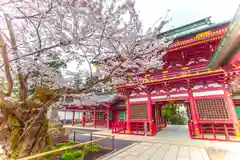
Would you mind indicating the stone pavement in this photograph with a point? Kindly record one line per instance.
(158, 151)
(173, 134)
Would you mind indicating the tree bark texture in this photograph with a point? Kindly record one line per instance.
(25, 135)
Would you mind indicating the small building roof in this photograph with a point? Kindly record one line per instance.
(119, 104)
(99, 99)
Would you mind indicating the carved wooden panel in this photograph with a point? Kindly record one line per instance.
(212, 109)
(138, 111)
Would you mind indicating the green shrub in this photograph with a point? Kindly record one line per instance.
(72, 154)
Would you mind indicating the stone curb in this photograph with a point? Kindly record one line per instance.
(114, 153)
(183, 143)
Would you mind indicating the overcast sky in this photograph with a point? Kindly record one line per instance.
(185, 11)
(181, 12)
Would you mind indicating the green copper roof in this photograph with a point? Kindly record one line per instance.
(221, 45)
(186, 29)
(234, 25)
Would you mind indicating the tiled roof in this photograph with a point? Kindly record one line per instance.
(119, 104)
(99, 99)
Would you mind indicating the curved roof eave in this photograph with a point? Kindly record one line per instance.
(229, 45)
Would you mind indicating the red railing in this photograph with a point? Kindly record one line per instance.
(100, 122)
(136, 128)
(213, 132)
(119, 127)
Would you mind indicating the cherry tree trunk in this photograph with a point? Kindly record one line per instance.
(25, 136)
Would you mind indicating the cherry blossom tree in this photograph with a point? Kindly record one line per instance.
(39, 37)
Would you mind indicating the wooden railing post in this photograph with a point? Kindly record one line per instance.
(90, 136)
(113, 143)
(74, 136)
(83, 153)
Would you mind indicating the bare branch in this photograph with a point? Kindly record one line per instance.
(9, 2)
(36, 15)
(21, 79)
(89, 63)
(40, 51)
(35, 27)
(6, 67)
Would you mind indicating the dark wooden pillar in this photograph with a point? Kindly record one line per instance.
(94, 118)
(73, 117)
(157, 116)
(108, 117)
(161, 117)
(65, 114)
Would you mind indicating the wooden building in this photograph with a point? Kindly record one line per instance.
(196, 74)
(199, 69)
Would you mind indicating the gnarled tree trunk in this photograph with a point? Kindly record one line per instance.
(25, 125)
(25, 134)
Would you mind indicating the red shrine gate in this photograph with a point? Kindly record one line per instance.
(186, 79)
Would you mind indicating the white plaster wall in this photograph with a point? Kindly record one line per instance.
(208, 93)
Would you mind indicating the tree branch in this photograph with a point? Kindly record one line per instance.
(46, 48)
(6, 67)
(89, 63)
(35, 15)
(23, 84)
(39, 51)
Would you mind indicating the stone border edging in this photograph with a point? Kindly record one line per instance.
(114, 153)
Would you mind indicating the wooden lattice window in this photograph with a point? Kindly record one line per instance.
(138, 111)
(212, 109)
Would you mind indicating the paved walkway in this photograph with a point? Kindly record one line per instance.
(173, 134)
(158, 151)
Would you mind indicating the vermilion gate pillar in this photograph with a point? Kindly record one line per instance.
(232, 111)
(128, 114)
(150, 111)
(193, 112)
